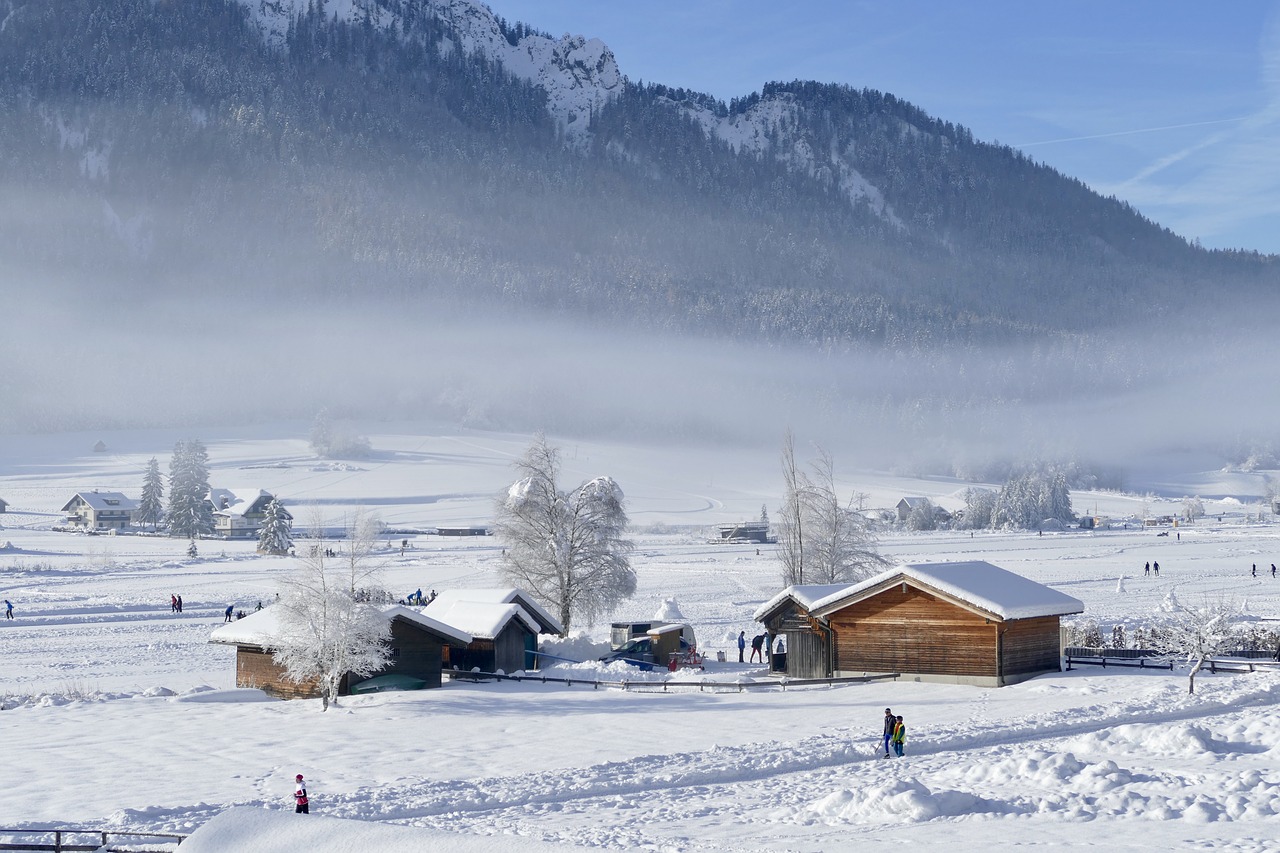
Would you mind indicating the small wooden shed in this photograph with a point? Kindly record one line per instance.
(417, 646)
(967, 623)
(504, 623)
(807, 639)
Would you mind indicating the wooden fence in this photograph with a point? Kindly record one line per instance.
(109, 841)
(702, 685)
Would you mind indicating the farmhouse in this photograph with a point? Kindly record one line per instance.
(239, 513)
(968, 623)
(417, 651)
(100, 510)
(4, 506)
(807, 641)
(906, 505)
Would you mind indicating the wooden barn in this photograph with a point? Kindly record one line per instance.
(417, 645)
(967, 623)
(504, 625)
(806, 639)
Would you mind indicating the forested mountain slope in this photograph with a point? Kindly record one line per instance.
(388, 149)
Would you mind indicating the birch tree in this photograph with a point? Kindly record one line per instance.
(330, 621)
(567, 548)
(821, 539)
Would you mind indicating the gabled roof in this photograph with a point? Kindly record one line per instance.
(262, 629)
(547, 624)
(484, 620)
(103, 501)
(239, 500)
(977, 585)
(803, 595)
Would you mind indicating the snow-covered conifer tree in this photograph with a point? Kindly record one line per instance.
(151, 507)
(190, 515)
(566, 548)
(276, 534)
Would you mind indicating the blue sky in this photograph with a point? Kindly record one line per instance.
(1171, 105)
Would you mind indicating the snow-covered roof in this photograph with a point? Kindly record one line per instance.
(484, 620)
(805, 595)
(104, 501)
(977, 584)
(239, 500)
(263, 627)
(547, 624)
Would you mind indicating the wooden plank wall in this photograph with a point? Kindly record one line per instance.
(257, 668)
(912, 631)
(1031, 645)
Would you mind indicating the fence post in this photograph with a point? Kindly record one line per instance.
(57, 840)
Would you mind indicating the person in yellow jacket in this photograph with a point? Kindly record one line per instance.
(899, 736)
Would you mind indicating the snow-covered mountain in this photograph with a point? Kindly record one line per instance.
(579, 75)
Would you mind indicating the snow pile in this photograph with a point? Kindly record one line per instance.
(900, 801)
(577, 646)
(669, 611)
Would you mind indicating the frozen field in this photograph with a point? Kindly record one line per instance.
(119, 713)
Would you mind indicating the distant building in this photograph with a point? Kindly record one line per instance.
(745, 531)
(239, 513)
(473, 530)
(100, 510)
(906, 505)
(4, 507)
(100, 447)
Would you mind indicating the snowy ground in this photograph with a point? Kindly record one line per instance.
(120, 714)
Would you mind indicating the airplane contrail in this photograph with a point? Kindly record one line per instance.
(1130, 132)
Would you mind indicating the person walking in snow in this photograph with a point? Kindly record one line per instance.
(231, 608)
(1273, 570)
(1155, 567)
(899, 736)
(179, 604)
(890, 722)
(1254, 572)
(8, 609)
(1146, 570)
(757, 648)
(173, 604)
(301, 804)
(742, 645)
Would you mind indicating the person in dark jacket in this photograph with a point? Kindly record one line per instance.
(742, 645)
(889, 722)
(757, 648)
(301, 804)
(231, 608)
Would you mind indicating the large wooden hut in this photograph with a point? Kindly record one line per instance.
(969, 623)
(807, 641)
(417, 651)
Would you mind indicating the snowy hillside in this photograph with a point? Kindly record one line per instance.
(103, 681)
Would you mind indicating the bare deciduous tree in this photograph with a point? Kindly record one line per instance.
(1198, 633)
(821, 539)
(566, 547)
(330, 623)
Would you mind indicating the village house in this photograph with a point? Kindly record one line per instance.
(97, 510)
(504, 624)
(417, 651)
(239, 513)
(4, 506)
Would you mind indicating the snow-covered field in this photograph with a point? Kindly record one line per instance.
(118, 713)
